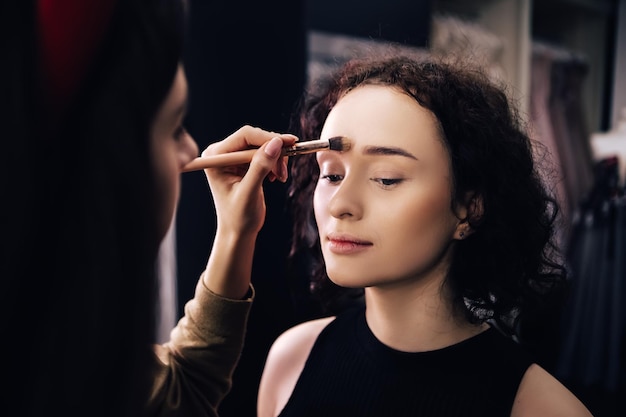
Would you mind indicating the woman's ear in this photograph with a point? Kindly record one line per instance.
(470, 212)
(463, 230)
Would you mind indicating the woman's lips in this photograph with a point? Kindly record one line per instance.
(345, 245)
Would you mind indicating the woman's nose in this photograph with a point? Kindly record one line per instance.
(346, 201)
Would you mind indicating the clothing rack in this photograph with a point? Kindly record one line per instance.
(593, 331)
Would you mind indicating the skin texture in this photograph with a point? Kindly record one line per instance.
(384, 213)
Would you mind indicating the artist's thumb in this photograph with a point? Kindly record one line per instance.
(264, 160)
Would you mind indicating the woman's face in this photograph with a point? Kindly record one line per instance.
(383, 208)
(172, 148)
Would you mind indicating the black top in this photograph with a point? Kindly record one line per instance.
(350, 373)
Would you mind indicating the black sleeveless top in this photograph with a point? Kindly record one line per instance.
(350, 373)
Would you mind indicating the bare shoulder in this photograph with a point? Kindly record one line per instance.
(541, 394)
(284, 364)
(299, 337)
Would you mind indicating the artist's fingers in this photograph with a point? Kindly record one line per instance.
(246, 137)
(265, 161)
(280, 171)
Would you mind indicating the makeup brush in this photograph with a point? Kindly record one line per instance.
(337, 143)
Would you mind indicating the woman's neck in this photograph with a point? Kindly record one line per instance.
(419, 318)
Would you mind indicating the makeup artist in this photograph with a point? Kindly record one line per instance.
(94, 100)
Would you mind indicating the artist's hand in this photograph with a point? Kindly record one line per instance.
(237, 190)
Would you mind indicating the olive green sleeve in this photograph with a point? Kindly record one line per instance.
(194, 369)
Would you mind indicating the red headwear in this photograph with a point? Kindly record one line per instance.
(70, 33)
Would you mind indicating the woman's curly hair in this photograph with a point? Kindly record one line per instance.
(511, 262)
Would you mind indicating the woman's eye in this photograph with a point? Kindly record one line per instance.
(332, 177)
(179, 133)
(387, 182)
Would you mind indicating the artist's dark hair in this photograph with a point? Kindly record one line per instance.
(81, 230)
(511, 262)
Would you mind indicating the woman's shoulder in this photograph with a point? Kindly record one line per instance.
(541, 394)
(284, 363)
(295, 343)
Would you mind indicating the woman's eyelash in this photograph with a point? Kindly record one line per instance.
(383, 182)
(387, 182)
(179, 132)
(332, 177)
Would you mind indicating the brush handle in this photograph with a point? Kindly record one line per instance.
(222, 160)
(244, 157)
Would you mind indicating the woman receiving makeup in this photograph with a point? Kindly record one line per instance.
(438, 218)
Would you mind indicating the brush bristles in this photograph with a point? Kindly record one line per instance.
(339, 143)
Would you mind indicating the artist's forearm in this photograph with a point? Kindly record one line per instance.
(194, 369)
(230, 264)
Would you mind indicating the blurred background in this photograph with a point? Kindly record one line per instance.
(565, 60)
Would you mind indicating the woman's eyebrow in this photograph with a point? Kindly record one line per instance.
(387, 150)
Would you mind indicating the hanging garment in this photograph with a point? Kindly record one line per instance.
(543, 132)
(592, 345)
